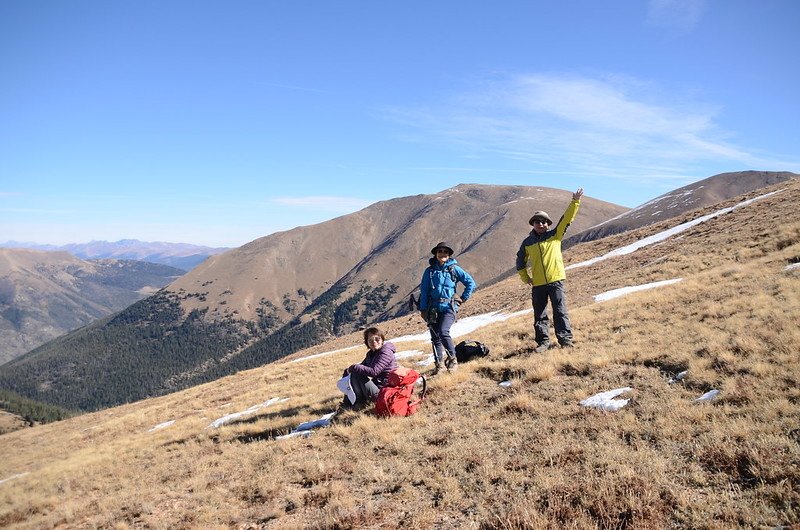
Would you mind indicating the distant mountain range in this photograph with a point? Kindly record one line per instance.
(46, 294)
(289, 290)
(179, 255)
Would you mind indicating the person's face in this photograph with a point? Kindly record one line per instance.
(540, 226)
(442, 255)
(374, 342)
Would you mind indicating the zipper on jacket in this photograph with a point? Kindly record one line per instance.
(541, 258)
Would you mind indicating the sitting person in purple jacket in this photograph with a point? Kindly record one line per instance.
(369, 376)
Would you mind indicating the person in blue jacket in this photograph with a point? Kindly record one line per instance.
(439, 303)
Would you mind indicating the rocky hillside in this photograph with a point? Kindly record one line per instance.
(46, 294)
(375, 254)
(696, 195)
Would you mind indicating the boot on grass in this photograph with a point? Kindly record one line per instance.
(437, 368)
(451, 363)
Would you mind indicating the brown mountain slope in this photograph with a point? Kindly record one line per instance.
(387, 243)
(46, 294)
(706, 192)
(478, 455)
(231, 312)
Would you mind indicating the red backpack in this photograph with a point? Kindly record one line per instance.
(397, 397)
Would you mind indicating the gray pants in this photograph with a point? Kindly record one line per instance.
(555, 293)
(440, 336)
(366, 391)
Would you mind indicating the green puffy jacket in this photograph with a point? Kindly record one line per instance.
(539, 260)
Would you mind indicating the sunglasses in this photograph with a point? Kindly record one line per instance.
(539, 221)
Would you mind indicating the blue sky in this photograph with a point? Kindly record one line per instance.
(220, 122)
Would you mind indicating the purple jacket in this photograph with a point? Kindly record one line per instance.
(377, 364)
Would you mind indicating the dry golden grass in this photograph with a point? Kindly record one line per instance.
(10, 422)
(478, 455)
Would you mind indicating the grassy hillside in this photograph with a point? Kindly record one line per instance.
(479, 455)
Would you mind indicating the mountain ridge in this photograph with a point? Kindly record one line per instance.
(695, 195)
(44, 294)
(365, 277)
(183, 256)
(283, 292)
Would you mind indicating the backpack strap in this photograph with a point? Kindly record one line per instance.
(414, 403)
(451, 269)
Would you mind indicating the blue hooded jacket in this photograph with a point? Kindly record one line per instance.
(438, 285)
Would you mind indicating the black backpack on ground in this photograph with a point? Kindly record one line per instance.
(470, 349)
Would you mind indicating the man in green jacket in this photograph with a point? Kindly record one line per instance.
(540, 264)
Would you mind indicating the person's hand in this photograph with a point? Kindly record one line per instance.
(458, 300)
(577, 195)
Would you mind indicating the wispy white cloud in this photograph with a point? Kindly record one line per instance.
(324, 202)
(678, 15)
(604, 125)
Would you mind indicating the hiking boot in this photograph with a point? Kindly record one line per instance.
(567, 344)
(436, 369)
(541, 348)
(451, 363)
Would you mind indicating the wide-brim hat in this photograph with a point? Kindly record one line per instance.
(540, 215)
(442, 244)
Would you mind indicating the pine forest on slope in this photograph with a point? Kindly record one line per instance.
(46, 294)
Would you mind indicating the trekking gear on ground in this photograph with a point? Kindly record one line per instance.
(470, 349)
(397, 397)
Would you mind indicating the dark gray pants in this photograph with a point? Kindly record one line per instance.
(440, 336)
(554, 292)
(366, 391)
